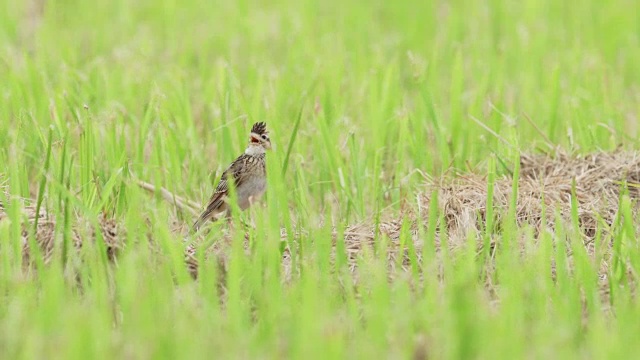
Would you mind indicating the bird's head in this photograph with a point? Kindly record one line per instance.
(259, 138)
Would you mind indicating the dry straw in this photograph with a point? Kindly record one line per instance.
(599, 179)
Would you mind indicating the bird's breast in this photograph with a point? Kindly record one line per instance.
(251, 190)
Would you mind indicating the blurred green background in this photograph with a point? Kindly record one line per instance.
(365, 101)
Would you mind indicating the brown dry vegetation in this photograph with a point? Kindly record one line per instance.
(462, 201)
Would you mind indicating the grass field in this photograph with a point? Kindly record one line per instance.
(369, 104)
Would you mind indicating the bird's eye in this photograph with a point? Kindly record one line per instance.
(264, 137)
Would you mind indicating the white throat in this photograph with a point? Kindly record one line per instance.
(254, 150)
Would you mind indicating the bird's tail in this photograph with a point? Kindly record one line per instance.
(208, 214)
(198, 223)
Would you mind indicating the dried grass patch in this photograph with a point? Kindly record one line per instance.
(48, 235)
(544, 180)
(598, 177)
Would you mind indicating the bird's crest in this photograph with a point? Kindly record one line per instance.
(259, 128)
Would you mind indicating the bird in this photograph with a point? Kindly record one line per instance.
(247, 173)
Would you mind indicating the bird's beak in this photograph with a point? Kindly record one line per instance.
(267, 145)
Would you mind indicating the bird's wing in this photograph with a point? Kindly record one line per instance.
(236, 172)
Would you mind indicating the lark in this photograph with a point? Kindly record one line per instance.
(247, 174)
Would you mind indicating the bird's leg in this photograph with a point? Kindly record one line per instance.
(249, 224)
(229, 219)
(245, 223)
